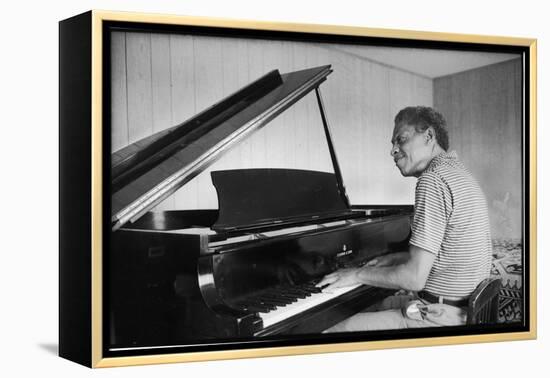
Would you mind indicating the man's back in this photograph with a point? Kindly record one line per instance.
(451, 221)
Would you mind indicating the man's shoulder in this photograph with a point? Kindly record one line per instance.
(445, 163)
(446, 171)
(450, 177)
(430, 178)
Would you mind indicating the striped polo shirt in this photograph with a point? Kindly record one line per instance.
(451, 221)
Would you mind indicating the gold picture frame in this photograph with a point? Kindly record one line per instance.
(84, 183)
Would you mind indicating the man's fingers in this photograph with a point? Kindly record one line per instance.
(328, 289)
(372, 262)
(335, 285)
(327, 280)
(321, 283)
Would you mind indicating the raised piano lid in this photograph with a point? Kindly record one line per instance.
(146, 172)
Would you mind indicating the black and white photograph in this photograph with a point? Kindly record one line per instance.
(299, 189)
(209, 188)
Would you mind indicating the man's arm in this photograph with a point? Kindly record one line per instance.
(431, 214)
(411, 274)
(394, 258)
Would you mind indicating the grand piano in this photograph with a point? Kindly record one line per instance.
(247, 269)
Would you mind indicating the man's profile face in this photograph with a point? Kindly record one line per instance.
(411, 150)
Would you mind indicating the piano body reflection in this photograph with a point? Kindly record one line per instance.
(248, 268)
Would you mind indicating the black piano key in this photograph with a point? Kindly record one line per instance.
(260, 303)
(301, 290)
(321, 288)
(300, 293)
(273, 301)
(252, 308)
(287, 296)
(258, 306)
(276, 298)
(295, 294)
(280, 294)
(311, 288)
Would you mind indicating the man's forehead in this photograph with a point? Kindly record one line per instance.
(402, 128)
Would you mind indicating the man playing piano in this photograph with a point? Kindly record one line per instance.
(449, 250)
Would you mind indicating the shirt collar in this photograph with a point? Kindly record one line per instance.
(443, 158)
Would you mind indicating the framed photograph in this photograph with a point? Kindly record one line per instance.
(235, 189)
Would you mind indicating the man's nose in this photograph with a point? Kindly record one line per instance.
(394, 150)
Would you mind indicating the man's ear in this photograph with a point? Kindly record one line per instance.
(429, 134)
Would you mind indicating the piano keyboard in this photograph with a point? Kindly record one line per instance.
(282, 303)
(286, 312)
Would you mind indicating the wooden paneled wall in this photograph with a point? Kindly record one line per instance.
(160, 80)
(484, 115)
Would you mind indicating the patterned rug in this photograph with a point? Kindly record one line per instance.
(507, 265)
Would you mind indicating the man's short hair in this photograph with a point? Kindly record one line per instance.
(422, 117)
